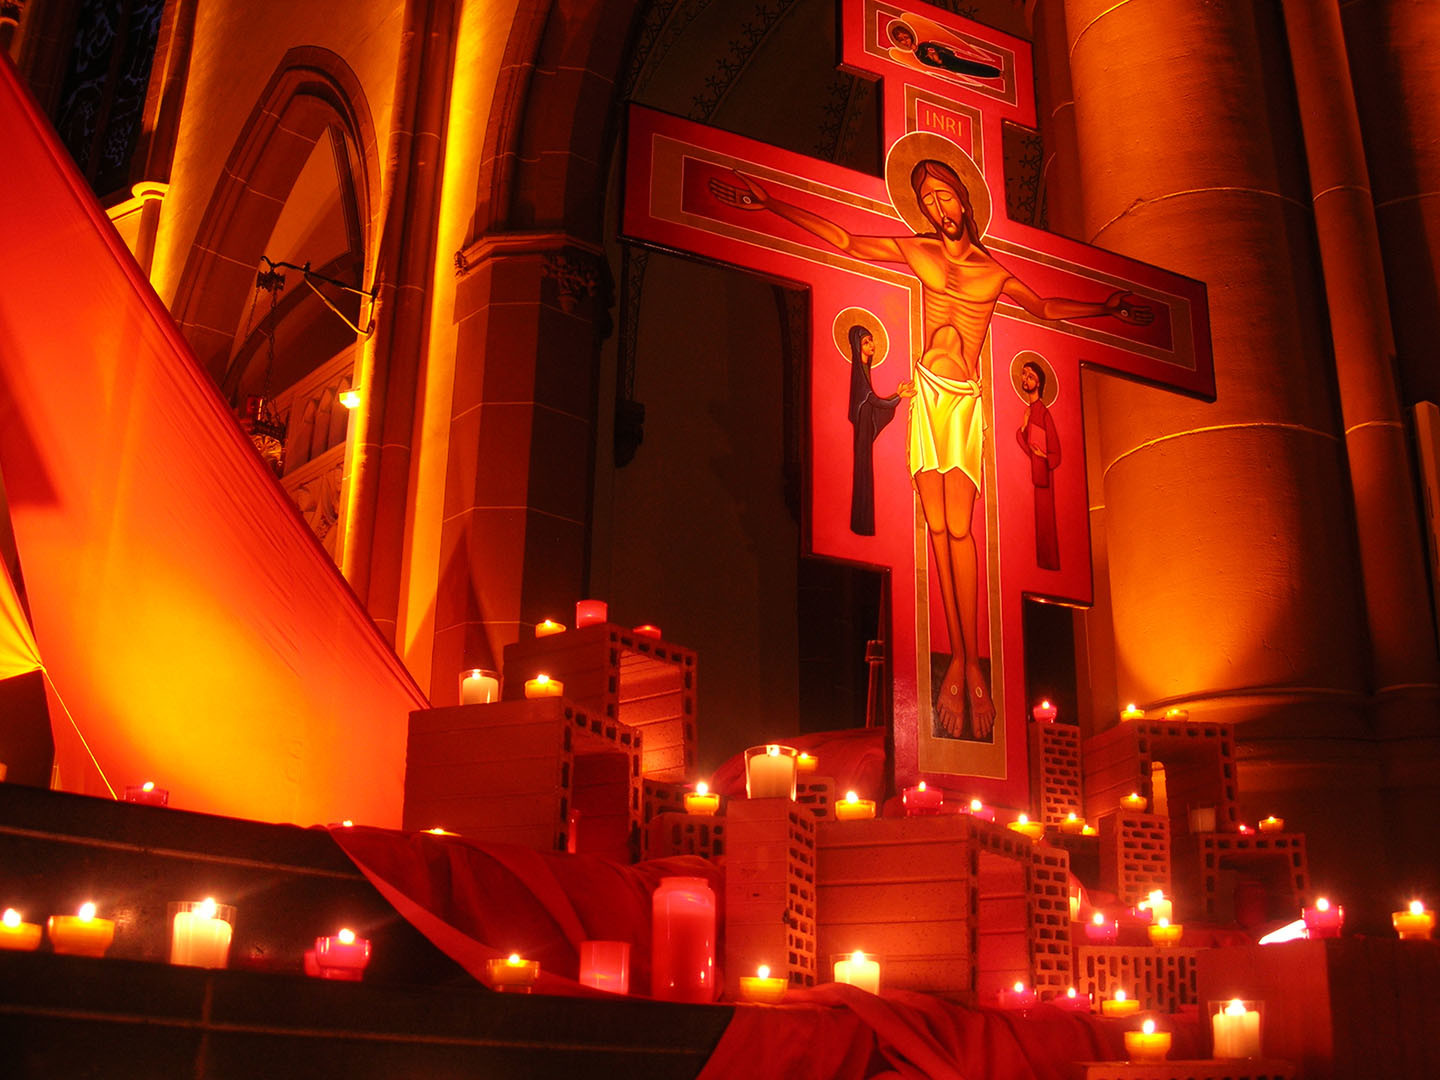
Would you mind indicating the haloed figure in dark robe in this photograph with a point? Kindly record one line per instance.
(1041, 443)
(869, 413)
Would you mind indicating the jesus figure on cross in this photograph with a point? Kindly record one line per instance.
(960, 284)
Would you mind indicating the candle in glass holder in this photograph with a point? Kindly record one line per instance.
(591, 613)
(543, 686)
(1324, 920)
(1161, 910)
(761, 988)
(1018, 996)
(512, 974)
(806, 763)
(980, 810)
(1101, 931)
(1164, 933)
(770, 772)
(647, 630)
(147, 794)
(701, 801)
(1073, 825)
(1025, 827)
(922, 801)
(479, 686)
(1177, 713)
(1415, 923)
(18, 935)
(1235, 1029)
(82, 934)
(854, 808)
(1045, 712)
(546, 627)
(605, 965)
(682, 958)
(200, 932)
(1072, 1001)
(1132, 712)
(1147, 1044)
(342, 956)
(857, 969)
(1134, 801)
(1119, 1005)
(1272, 824)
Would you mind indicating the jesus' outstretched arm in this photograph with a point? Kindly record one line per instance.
(747, 194)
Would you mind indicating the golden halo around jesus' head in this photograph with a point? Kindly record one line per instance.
(1052, 384)
(858, 316)
(907, 152)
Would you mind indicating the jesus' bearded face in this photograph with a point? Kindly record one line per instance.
(941, 204)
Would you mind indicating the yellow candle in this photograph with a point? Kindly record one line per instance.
(1134, 801)
(1147, 1044)
(1131, 712)
(701, 801)
(511, 974)
(548, 627)
(1073, 825)
(543, 686)
(858, 970)
(806, 763)
(17, 935)
(1414, 924)
(854, 808)
(1177, 714)
(1272, 824)
(1165, 933)
(82, 934)
(1120, 1005)
(1025, 827)
(761, 988)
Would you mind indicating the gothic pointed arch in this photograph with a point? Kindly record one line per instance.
(313, 95)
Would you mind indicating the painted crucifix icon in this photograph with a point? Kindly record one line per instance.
(927, 261)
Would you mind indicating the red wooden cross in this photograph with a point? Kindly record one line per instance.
(930, 304)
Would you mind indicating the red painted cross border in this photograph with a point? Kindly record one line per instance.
(929, 304)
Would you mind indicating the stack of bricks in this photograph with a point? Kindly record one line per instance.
(816, 794)
(1199, 761)
(640, 681)
(685, 834)
(770, 892)
(1052, 965)
(1161, 979)
(1134, 854)
(1275, 859)
(512, 772)
(1055, 771)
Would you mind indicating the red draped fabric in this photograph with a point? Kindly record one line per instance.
(191, 624)
(476, 902)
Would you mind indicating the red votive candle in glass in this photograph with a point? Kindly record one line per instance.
(342, 956)
(147, 794)
(1045, 712)
(591, 613)
(647, 630)
(921, 801)
(605, 965)
(682, 960)
(1324, 920)
(1072, 1001)
(1100, 931)
(1018, 996)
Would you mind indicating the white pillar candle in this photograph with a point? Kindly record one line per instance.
(200, 934)
(479, 687)
(1236, 1031)
(858, 970)
(770, 772)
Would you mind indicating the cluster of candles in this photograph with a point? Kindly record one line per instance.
(1134, 712)
(81, 934)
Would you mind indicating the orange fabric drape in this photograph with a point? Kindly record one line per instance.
(195, 630)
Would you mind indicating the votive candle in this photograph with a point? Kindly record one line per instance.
(647, 630)
(702, 801)
(1147, 1044)
(546, 627)
(1272, 824)
(1025, 827)
(1324, 919)
(1164, 933)
(770, 772)
(1132, 712)
(342, 955)
(1235, 1031)
(82, 934)
(147, 794)
(806, 763)
(1072, 1001)
(200, 932)
(605, 965)
(543, 686)
(16, 934)
(922, 801)
(1415, 923)
(1134, 801)
(1018, 996)
(1119, 1005)
(854, 808)
(857, 969)
(1073, 825)
(1161, 910)
(479, 686)
(1045, 712)
(512, 974)
(762, 988)
(1177, 713)
(591, 613)
(1101, 931)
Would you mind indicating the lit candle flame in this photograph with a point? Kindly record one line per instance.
(763, 971)
(1019, 987)
(1156, 896)
(1322, 904)
(346, 936)
(348, 823)
(1045, 704)
(1072, 816)
(11, 918)
(851, 797)
(1235, 1008)
(1070, 993)
(1023, 820)
(148, 785)
(513, 960)
(857, 957)
(772, 750)
(548, 624)
(1148, 1027)
(806, 757)
(87, 912)
(921, 786)
(1098, 919)
(1119, 995)
(207, 909)
(1164, 923)
(702, 788)
(1417, 908)
(543, 680)
(976, 805)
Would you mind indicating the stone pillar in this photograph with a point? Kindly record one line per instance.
(530, 308)
(1232, 556)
